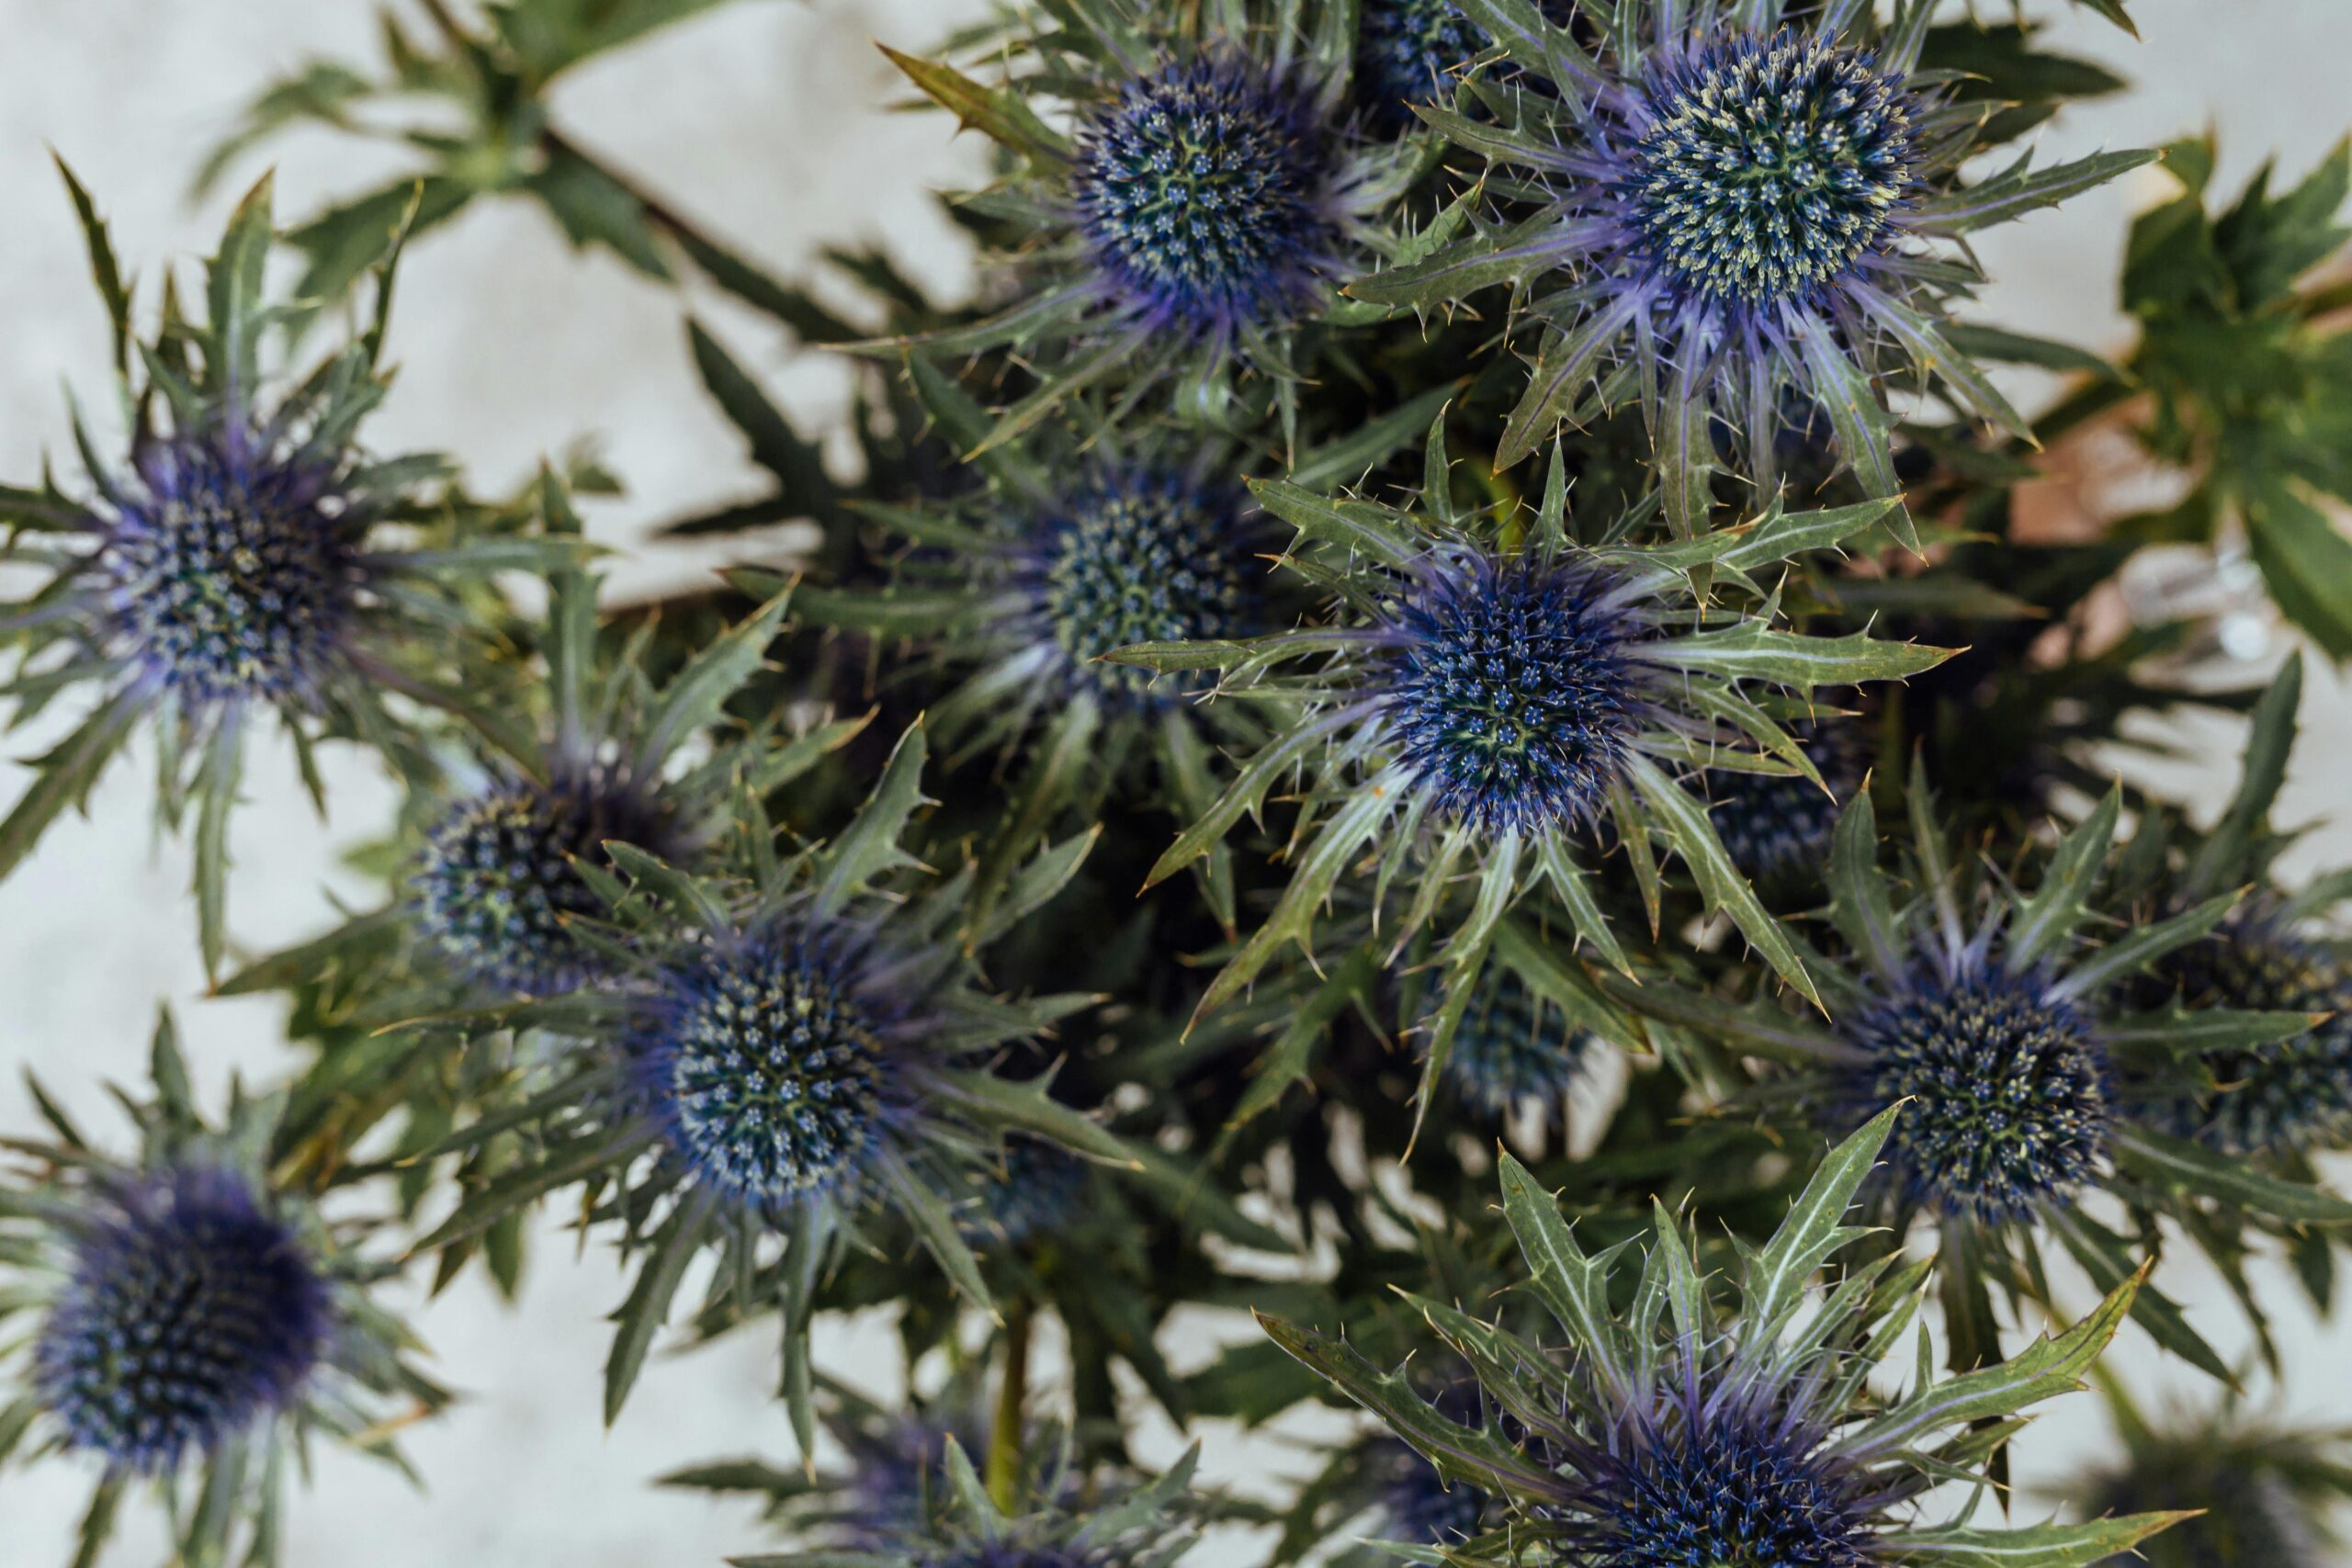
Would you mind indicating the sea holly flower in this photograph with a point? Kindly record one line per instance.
(1714, 1426)
(2275, 970)
(2263, 1491)
(233, 568)
(1413, 51)
(1714, 211)
(2005, 1023)
(1019, 589)
(780, 1047)
(1515, 1052)
(1778, 829)
(1197, 215)
(1031, 1513)
(1473, 708)
(192, 1326)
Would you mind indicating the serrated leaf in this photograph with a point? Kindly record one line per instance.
(1575, 1287)
(2177, 1162)
(869, 846)
(997, 114)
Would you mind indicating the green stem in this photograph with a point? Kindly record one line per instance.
(1004, 1466)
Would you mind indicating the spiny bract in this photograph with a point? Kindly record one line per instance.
(1512, 1050)
(2270, 1099)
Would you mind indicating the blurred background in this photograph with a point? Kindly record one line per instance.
(770, 122)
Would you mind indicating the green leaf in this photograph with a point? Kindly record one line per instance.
(2037, 1546)
(1720, 881)
(797, 464)
(2177, 1162)
(1856, 416)
(2107, 1258)
(1289, 1058)
(2187, 1032)
(2223, 854)
(1752, 650)
(933, 1222)
(65, 776)
(869, 846)
(593, 207)
(2046, 921)
(1773, 1285)
(233, 293)
(1366, 447)
(2049, 1366)
(998, 114)
(1573, 1286)
(343, 242)
(1460, 1453)
(2305, 560)
(640, 1316)
(2015, 191)
(697, 694)
(2143, 945)
(216, 797)
(1028, 1107)
(103, 267)
(1356, 525)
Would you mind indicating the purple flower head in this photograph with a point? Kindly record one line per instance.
(1510, 690)
(191, 1314)
(1202, 195)
(229, 571)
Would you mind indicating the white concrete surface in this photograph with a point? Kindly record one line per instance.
(763, 121)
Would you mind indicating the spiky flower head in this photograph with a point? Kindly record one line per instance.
(780, 1048)
(231, 569)
(2277, 1097)
(197, 1319)
(1737, 210)
(192, 1313)
(2006, 1077)
(1046, 1525)
(2000, 1013)
(1469, 698)
(1514, 1051)
(1720, 1432)
(500, 880)
(1056, 561)
(1201, 209)
(1138, 553)
(1202, 193)
(1777, 828)
(2263, 1489)
(1037, 1190)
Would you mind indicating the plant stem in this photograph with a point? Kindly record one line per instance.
(1003, 1468)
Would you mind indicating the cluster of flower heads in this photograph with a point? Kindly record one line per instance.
(1695, 1432)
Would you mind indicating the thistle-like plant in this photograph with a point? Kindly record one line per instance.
(780, 1044)
(1012, 595)
(1704, 1430)
(1481, 696)
(1197, 215)
(2282, 1087)
(1030, 1517)
(1725, 209)
(2005, 1024)
(198, 1324)
(234, 567)
(2263, 1489)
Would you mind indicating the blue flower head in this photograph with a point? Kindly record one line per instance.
(1750, 217)
(1201, 190)
(2291, 1095)
(1139, 553)
(499, 878)
(191, 1314)
(1512, 1051)
(1199, 212)
(1485, 700)
(1511, 689)
(769, 1057)
(1706, 1426)
(1039, 1190)
(1776, 827)
(2006, 1081)
(194, 1328)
